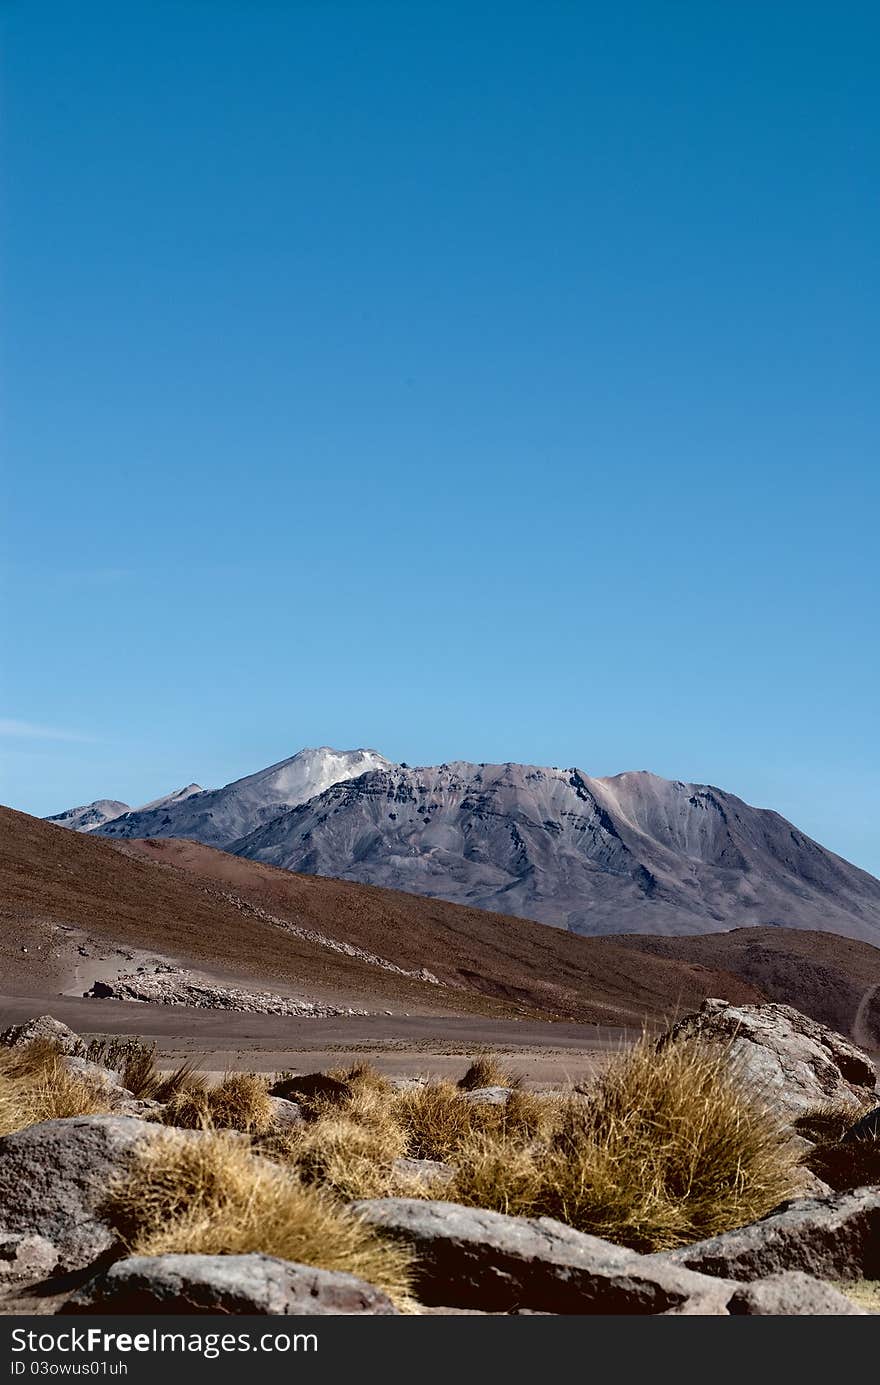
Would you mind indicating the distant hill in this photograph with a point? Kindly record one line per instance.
(233, 918)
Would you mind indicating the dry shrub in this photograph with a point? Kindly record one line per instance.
(36, 1085)
(354, 1160)
(670, 1149)
(488, 1071)
(210, 1195)
(439, 1120)
(135, 1062)
(240, 1102)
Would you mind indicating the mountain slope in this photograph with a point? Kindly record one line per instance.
(632, 853)
(234, 919)
(218, 816)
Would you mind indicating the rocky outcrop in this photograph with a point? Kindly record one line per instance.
(54, 1177)
(795, 1062)
(25, 1259)
(470, 1258)
(166, 985)
(487, 1096)
(835, 1237)
(792, 1294)
(43, 1028)
(225, 1284)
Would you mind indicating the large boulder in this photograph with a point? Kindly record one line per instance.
(836, 1237)
(467, 1257)
(794, 1062)
(225, 1284)
(54, 1177)
(792, 1294)
(45, 1028)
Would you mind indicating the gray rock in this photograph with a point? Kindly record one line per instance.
(44, 1027)
(107, 1078)
(867, 1128)
(487, 1096)
(54, 1177)
(836, 1237)
(25, 1259)
(225, 1284)
(429, 1173)
(805, 1183)
(792, 1294)
(471, 1258)
(287, 1113)
(795, 1062)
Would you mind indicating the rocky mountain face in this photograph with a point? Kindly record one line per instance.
(218, 816)
(629, 854)
(90, 815)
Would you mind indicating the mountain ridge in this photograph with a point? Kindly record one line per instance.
(619, 854)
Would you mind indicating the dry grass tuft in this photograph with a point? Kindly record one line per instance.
(354, 1160)
(670, 1149)
(212, 1196)
(135, 1061)
(240, 1102)
(439, 1120)
(36, 1085)
(488, 1071)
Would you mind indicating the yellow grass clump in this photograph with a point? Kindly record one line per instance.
(486, 1070)
(211, 1195)
(669, 1149)
(240, 1102)
(36, 1085)
(439, 1120)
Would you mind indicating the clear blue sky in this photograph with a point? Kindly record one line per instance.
(461, 379)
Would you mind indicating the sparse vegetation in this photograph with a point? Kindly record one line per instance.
(668, 1150)
(36, 1085)
(240, 1102)
(214, 1196)
(135, 1062)
(487, 1071)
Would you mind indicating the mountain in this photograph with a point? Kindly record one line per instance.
(629, 854)
(90, 815)
(73, 905)
(219, 816)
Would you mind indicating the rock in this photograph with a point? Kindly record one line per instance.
(792, 1294)
(107, 1078)
(428, 1173)
(167, 985)
(287, 1113)
(487, 1096)
(25, 1259)
(44, 1027)
(794, 1061)
(867, 1128)
(467, 1257)
(808, 1184)
(309, 1086)
(225, 1284)
(54, 1177)
(836, 1237)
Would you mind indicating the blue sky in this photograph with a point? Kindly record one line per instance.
(463, 380)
